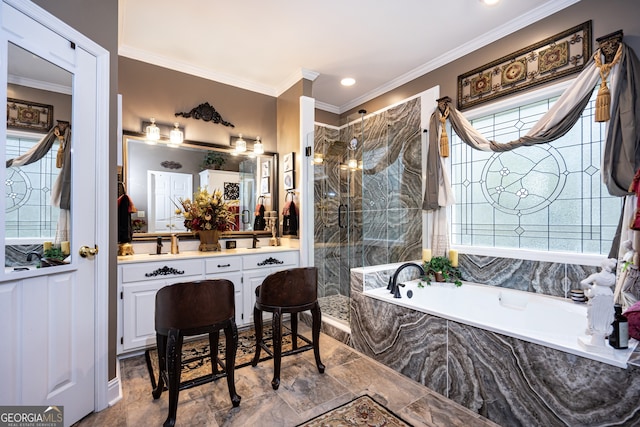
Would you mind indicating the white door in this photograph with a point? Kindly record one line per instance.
(53, 319)
(165, 189)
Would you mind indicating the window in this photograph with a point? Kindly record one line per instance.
(548, 197)
(28, 210)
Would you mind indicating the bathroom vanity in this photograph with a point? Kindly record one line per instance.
(140, 277)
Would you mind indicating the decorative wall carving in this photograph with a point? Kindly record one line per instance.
(207, 113)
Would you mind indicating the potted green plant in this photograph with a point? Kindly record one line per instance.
(439, 269)
(213, 159)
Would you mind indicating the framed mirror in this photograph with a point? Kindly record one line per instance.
(157, 175)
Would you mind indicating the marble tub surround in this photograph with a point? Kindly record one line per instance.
(542, 277)
(510, 381)
(303, 394)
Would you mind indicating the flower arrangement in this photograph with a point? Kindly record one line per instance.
(138, 225)
(206, 212)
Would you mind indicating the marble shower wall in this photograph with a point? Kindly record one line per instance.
(380, 203)
(510, 381)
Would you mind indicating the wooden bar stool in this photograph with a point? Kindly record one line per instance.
(289, 291)
(187, 309)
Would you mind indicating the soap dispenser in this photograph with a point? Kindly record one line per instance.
(174, 244)
(619, 337)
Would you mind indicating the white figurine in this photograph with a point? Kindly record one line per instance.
(600, 311)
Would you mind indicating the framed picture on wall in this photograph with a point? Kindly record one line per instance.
(289, 180)
(289, 160)
(264, 185)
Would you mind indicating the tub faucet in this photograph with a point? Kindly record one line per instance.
(30, 256)
(394, 286)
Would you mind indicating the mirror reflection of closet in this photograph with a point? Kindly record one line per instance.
(39, 101)
(157, 176)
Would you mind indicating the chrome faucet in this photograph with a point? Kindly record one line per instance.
(394, 286)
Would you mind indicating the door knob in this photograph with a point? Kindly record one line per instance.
(86, 251)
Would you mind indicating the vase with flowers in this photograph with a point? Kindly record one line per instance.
(208, 215)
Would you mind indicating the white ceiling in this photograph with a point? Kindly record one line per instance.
(266, 46)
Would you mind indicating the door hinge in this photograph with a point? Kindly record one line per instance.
(122, 340)
(121, 295)
(307, 151)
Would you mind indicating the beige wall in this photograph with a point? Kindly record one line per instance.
(289, 131)
(61, 103)
(607, 16)
(151, 91)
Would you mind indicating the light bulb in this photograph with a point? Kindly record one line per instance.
(241, 145)
(176, 136)
(153, 131)
(258, 148)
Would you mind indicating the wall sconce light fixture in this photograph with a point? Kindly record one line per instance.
(153, 131)
(258, 148)
(241, 145)
(176, 136)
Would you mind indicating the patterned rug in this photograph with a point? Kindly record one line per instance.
(361, 411)
(196, 362)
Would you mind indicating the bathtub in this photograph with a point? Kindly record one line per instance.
(545, 320)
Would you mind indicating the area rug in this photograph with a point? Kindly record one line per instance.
(361, 411)
(196, 362)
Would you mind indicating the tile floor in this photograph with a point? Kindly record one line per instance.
(303, 394)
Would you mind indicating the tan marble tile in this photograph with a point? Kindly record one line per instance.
(391, 389)
(266, 411)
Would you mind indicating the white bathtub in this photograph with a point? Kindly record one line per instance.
(550, 321)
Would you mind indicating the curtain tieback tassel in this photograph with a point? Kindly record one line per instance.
(603, 99)
(444, 138)
(603, 103)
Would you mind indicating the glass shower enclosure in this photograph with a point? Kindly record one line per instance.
(367, 199)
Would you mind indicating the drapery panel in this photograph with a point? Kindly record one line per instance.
(621, 158)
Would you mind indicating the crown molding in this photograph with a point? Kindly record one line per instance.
(510, 27)
(39, 84)
(295, 77)
(184, 67)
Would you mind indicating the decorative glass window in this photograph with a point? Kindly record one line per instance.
(548, 197)
(28, 210)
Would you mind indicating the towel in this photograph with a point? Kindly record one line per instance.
(290, 219)
(125, 228)
(259, 223)
(633, 316)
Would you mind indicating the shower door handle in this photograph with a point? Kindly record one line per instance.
(245, 214)
(340, 225)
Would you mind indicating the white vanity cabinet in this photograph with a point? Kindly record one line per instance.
(230, 268)
(256, 268)
(139, 283)
(139, 279)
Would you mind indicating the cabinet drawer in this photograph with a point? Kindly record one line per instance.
(271, 260)
(160, 270)
(223, 264)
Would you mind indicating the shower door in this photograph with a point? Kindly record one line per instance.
(337, 245)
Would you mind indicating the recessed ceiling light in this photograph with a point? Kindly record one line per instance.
(348, 81)
(489, 2)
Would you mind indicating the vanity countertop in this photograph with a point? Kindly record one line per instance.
(146, 257)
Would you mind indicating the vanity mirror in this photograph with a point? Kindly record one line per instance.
(157, 175)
